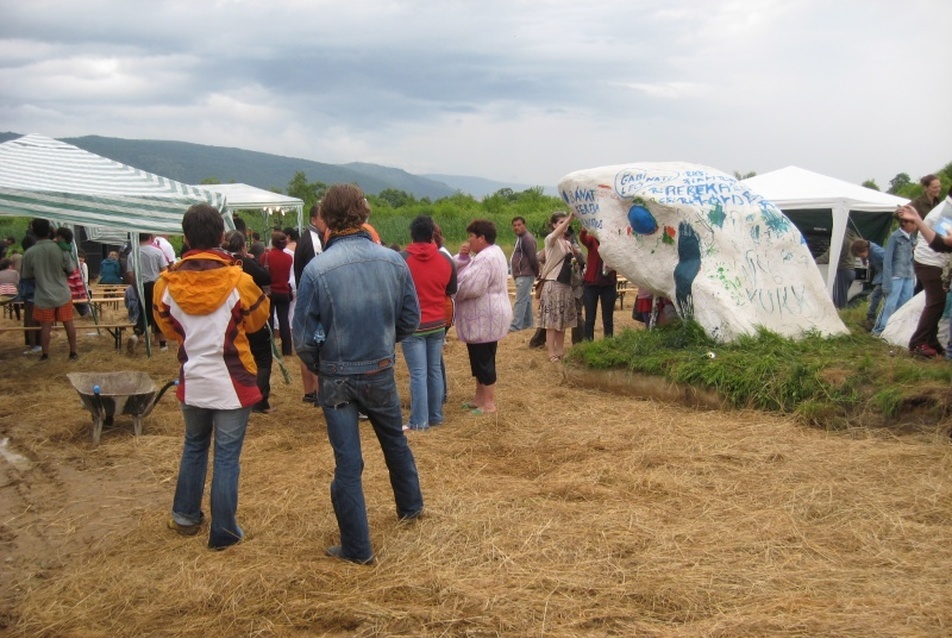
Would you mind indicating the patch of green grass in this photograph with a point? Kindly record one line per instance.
(816, 378)
(888, 400)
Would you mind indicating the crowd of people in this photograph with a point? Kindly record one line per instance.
(916, 257)
(341, 301)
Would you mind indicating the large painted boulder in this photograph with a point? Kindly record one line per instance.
(725, 255)
(903, 323)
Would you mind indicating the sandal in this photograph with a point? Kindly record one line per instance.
(555, 359)
(481, 412)
(469, 405)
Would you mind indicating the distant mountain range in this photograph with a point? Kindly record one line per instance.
(193, 163)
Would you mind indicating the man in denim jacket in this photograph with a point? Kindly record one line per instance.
(355, 301)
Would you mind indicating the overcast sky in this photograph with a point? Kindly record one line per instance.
(511, 90)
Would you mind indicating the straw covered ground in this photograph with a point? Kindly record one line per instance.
(572, 512)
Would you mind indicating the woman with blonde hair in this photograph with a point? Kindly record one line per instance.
(110, 270)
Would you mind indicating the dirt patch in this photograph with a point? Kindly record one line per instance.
(644, 387)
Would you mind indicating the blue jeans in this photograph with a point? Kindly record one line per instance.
(229, 429)
(522, 311)
(875, 297)
(900, 291)
(376, 396)
(424, 356)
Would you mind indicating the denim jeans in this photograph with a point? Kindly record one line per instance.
(376, 396)
(591, 295)
(875, 297)
(522, 311)
(443, 373)
(900, 291)
(228, 427)
(424, 360)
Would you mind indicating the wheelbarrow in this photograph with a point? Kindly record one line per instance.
(106, 394)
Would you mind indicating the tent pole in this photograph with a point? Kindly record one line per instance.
(838, 234)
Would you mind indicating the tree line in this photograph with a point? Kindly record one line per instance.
(394, 209)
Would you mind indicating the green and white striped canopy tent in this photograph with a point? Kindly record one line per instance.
(43, 177)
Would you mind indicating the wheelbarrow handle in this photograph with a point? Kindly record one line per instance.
(96, 401)
(158, 396)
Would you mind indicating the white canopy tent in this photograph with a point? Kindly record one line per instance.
(810, 199)
(246, 197)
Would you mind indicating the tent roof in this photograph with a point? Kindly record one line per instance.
(43, 177)
(243, 196)
(794, 188)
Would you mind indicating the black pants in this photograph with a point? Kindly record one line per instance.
(260, 344)
(145, 311)
(280, 306)
(591, 295)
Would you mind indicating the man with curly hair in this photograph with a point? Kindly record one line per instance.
(355, 301)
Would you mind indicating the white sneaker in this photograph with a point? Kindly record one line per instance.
(34, 350)
(164, 347)
(131, 344)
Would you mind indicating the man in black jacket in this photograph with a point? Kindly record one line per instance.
(260, 341)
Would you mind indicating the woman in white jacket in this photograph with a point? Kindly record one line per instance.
(483, 312)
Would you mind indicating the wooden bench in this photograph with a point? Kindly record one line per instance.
(99, 302)
(11, 308)
(115, 330)
(108, 290)
(622, 290)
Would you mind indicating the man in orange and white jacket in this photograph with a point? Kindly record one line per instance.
(209, 305)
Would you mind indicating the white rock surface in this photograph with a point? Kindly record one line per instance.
(726, 256)
(903, 323)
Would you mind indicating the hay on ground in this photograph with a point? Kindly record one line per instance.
(571, 512)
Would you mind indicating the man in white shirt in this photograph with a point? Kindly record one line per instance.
(152, 262)
(309, 246)
(162, 243)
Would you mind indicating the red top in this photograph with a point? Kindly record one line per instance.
(279, 265)
(593, 264)
(434, 277)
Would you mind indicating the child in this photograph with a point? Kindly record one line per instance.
(872, 255)
(898, 276)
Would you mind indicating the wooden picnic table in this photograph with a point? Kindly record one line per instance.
(115, 330)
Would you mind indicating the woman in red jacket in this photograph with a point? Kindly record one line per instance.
(279, 264)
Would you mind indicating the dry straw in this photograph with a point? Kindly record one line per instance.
(571, 513)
